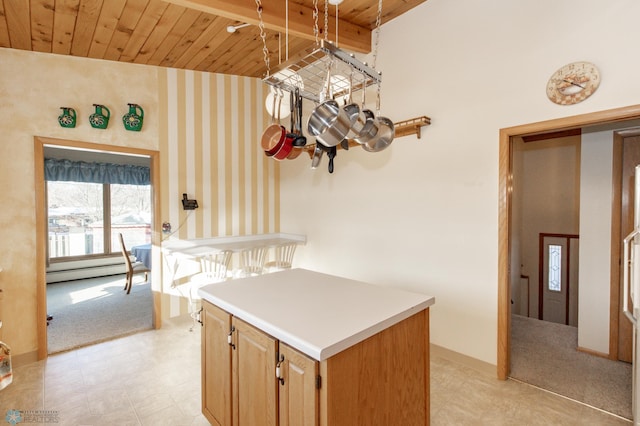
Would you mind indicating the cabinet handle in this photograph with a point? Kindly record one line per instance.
(230, 337)
(278, 371)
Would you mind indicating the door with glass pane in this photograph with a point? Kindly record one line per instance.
(558, 294)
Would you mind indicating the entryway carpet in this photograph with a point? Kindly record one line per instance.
(93, 310)
(544, 354)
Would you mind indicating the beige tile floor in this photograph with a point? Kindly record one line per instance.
(153, 378)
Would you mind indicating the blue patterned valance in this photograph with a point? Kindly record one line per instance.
(81, 171)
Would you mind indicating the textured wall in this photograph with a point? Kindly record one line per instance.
(33, 87)
(206, 127)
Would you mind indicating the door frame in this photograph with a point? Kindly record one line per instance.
(504, 207)
(41, 226)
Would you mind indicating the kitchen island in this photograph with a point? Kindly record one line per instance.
(299, 347)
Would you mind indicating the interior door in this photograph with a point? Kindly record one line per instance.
(559, 279)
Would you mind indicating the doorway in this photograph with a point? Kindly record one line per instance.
(42, 227)
(505, 272)
(608, 122)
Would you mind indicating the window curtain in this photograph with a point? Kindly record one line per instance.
(81, 171)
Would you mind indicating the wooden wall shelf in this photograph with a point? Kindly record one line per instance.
(411, 127)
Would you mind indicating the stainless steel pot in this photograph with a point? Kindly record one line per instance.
(317, 156)
(365, 121)
(328, 122)
(384, 135)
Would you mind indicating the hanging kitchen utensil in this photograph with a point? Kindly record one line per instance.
(285, 144)
(274, 133)
(353, 112)
(317, 156)
(284, 109)
(328, 122)
(301, 139)
(366, 119)
(331, 153)
(384, 135)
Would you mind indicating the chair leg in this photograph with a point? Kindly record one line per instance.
(126, 281)
(129, 283)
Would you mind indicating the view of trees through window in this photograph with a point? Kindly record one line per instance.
(79, 211)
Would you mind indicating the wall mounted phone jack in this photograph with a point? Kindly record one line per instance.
(188, 204)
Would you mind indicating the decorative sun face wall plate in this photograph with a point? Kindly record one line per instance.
(573, 83)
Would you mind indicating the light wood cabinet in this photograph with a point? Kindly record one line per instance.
(298, 390)
(216, 366)
(254, 384)
(381, 380)
(239, 376)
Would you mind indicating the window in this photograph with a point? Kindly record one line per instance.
(85, 218)
(555, 267)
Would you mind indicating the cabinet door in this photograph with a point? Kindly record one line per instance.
(216, 365)
(298, 396)
(254, 377)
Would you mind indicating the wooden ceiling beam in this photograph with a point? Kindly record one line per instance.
(350, 36)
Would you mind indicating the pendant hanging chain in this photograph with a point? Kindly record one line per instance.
(315, 20)
(377, 41)
(326, 20)
(263, 36)
(375, 52)
(337, 25)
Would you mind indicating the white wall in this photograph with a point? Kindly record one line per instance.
(547, 200)
(595, 241)
(423, 215)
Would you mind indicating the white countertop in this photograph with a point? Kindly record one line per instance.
(318, 314)
(196, 247)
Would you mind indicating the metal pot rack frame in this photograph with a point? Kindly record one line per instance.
(308, 72)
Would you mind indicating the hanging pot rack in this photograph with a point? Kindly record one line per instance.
(308, 72)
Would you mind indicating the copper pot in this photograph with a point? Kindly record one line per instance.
(275, 133)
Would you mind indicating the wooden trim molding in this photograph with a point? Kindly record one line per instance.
(41, 227)
(504, 207)
(616, 241)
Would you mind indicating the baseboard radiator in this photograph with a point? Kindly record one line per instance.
(81, 269)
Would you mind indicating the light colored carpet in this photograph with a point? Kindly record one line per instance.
(544, 354)
(93, 310)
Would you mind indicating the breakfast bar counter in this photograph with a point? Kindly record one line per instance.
(302, 347)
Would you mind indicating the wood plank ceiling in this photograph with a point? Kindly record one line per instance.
(188, 34)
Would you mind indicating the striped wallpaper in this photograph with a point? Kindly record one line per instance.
(210, 129)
